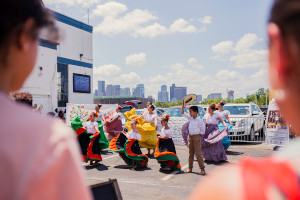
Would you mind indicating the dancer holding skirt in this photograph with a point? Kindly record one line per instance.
(104, 143)
(127, 145)
(88, 136)
(165, 152)
(224, 114)
(212, 147)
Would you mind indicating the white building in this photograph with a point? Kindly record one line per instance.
(63, 72)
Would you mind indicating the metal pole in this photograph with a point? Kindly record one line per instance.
(256, 97)
(266, 97)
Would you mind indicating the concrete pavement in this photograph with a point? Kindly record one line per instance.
(151, 183)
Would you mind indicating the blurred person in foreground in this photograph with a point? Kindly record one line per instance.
(39, 159)
(277, 177)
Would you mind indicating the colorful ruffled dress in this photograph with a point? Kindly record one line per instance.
(165, 152)
(129, 150)
(104, 143)
(146, 130)
(89, 143)
(226, 141)
(211, 143)
(115, 128)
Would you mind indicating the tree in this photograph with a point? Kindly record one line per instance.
(204, 101)
(172, 104)
(179, 103)
(165, 105)
(157, 104)
(210, 101)
(240, 100)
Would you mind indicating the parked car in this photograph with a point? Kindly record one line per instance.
(247, 119)
(160, 111)
(126, 108)
(139, 111)
(205, 107)
(177, 121)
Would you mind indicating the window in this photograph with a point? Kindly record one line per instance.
(62, 85)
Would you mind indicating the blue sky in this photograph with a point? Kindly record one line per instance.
(207, 46)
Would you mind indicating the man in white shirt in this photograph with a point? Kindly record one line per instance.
(196, 129)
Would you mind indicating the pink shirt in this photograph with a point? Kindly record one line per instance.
(38, 156)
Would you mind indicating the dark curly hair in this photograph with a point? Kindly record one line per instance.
(14, 14)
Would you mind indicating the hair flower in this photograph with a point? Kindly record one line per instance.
(167, 116)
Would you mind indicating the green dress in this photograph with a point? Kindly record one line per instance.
(104, 143)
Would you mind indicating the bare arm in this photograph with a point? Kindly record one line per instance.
(221, 120)
(227, 117)
(182, 107)
(115, 119)
(97, 129)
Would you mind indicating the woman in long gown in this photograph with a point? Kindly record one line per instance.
(212, 147)
(224, 114)
(146, 130)
(150, 117)
(104, 143)
(165, 152)
(113, 125)
(127, 145)
(88, 136)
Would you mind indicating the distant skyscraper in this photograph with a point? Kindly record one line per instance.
(230, 94)
(199, 98)
(172, 92)
(101, 88)
(117, 90)
(137, 92)
(96, 93)
(179, 93)
(141, 86)
(214, 96)
(163, 95)
(125, 91)
(113, 90)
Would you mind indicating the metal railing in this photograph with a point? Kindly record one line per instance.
(248, 129)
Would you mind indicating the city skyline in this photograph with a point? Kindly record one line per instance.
(174, 45)
(163, 94)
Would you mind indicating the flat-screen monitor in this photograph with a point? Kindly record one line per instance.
(81, 83)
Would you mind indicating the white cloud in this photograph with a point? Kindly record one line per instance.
(262, 73)
(130, 78)
(193, 62)
(131, 22)
(206, 20)
(138, 23)
(182, 26)
(110, 8)
(228, 75)
(246, 42)
(136, 59)
(250, 59)
(152, 31)
(107, 70)
(223, 47)
(243, 55)
(175, 66)
(83, 3)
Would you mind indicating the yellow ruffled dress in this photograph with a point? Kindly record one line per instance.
(146, 130)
